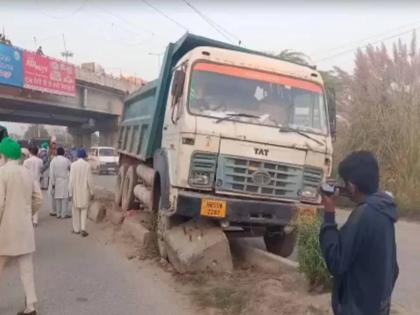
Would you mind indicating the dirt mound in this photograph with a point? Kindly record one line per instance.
(271, 297)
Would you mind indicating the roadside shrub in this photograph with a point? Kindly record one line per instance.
(382, 104)
(311, 262)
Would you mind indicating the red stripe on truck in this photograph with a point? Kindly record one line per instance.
(257, 75)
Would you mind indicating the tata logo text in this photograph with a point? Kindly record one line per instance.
(259, 151)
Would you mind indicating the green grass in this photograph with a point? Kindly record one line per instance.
(311, 262)
(228, 299)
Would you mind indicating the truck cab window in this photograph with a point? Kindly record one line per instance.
(220, 91)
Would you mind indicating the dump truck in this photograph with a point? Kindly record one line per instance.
(230, 135)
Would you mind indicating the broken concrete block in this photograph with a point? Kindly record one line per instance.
(116, 217)
(97, 211)
(198, 246)
(133, 227)
(103, 194)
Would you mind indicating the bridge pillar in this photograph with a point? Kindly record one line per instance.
(108, 132)
(81, 138)
(108, 138)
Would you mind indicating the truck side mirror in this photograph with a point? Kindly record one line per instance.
(332, 112)
(178, 84)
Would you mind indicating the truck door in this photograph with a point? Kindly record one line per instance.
(171, 126)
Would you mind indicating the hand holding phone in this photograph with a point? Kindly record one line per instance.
(329, 193)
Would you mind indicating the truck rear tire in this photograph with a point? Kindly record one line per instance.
(279, 242)
(119, 184)
(127, 196)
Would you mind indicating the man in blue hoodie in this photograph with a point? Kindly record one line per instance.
(361, 255)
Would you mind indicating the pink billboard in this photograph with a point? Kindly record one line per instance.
(49, 75)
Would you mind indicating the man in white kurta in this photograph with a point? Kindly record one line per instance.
(34, 166)
(20, 198)
(59, 182)
(80, 191)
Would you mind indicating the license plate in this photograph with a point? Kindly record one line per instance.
(213, 208)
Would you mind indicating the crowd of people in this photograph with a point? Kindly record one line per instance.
(23, 174)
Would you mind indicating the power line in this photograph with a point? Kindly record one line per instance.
(165, 15)
(221, 30)
(127, 21)
(411, 25)
(364, 46)
(78, 9)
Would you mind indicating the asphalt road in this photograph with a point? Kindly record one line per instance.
(407, 291)
(87, 277)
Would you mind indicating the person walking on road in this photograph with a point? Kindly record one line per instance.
(43, 154)
(80, 191)
(48, 153)
(34, 166)
(59, 182)
(362, 255)
(20, 198)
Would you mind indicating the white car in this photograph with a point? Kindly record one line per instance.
(103, 160)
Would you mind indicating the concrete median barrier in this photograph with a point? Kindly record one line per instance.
(97, 211)
(103, 194)
(114, 214)
(261, 259)
(132, 226)
(198, 246)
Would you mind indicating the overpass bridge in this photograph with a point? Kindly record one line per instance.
(97, 106)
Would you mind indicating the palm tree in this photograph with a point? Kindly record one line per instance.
(293, 56)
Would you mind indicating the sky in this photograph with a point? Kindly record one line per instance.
(129, 37)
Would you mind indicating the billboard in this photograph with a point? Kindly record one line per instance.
(49, 75)
(11, 72)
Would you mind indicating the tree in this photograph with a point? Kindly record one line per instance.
(385, 115)
(293, 56)
(36, 131)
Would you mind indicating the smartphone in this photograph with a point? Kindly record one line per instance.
(327, 189)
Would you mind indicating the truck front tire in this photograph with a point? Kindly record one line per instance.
(279, 242)
(119, 184)
(130, 180)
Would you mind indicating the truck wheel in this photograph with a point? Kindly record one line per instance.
(119, 185)
(130, 180)
(280, 243)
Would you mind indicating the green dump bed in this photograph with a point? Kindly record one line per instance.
(140, 131)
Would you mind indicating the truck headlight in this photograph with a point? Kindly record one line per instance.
(203, 169)
(309, 193)
(198, 179)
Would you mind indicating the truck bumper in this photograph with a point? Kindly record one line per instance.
(242, 211)
(108, 168)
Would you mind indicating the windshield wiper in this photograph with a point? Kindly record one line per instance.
(288, 129)
(229, 116)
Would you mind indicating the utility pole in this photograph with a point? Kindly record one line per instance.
(66, 53)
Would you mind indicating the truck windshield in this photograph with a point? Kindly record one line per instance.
(256, 97)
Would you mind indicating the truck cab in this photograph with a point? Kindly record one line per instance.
(245, 141)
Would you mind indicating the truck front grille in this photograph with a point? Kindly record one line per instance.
(312, 177)
(259, 177)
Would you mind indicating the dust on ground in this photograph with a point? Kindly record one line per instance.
(246, 291)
